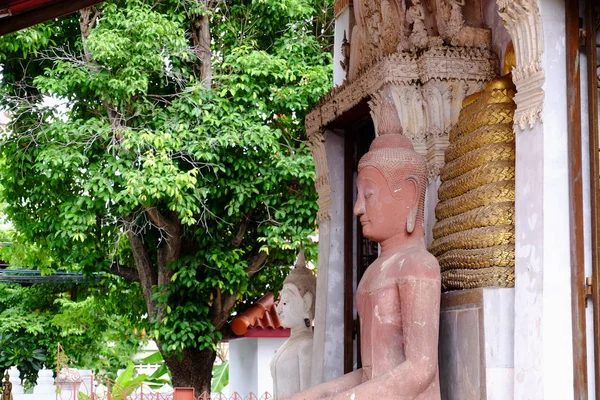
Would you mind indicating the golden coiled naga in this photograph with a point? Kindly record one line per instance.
(482, 196)
(488, 215)
(474, 236)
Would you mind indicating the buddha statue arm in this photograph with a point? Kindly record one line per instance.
(420, 325)
(330, 388)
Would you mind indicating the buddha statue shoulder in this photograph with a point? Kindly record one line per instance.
(291, 364)
(398, 297)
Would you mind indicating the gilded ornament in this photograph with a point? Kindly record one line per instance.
(474, 236)
(495, 171)
(484, 135)
(482, 156)
(493, 214)
(495, 192)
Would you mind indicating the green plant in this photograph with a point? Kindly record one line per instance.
(126, 383)
(220, 377)
(22, 354)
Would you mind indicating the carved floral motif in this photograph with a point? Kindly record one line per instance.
(524, 24)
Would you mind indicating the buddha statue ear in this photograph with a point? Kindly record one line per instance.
(413, 194)
(307, 299)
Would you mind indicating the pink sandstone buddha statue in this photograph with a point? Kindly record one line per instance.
(398, 297)
(291, 364)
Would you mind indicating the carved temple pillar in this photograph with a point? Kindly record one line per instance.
(328, 343)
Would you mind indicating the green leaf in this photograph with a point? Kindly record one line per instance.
(220, 377)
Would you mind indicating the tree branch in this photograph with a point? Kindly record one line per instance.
(147, 276)
(224, 302)
(222, 306)
(256, 262)
(126, 273)
(239, 237)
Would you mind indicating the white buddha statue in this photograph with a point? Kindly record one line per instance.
(291, 364)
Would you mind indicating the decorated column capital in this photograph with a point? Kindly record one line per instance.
(524, 24)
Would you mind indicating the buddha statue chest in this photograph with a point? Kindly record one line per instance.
(379, 308)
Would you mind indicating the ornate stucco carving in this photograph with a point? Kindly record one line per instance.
(380, 27)
(424, 56)
(317, 144)
(457, 30)
(427, 91)
(524, 24)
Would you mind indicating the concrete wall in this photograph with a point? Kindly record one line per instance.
(243, 374)
(266, 350)
(476, 344)
(249, 361)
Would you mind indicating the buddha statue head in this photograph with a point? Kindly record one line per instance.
(296, 306)
(391, 182)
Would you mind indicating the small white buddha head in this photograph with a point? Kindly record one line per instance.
(296, 306)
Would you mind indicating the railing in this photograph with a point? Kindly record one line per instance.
(234, 396)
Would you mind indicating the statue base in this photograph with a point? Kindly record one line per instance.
(476, 347)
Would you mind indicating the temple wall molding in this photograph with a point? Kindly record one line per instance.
(524, 24)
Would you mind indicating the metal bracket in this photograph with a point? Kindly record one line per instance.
(589, 288)
(582, 37)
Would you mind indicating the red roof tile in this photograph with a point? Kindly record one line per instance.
(262, 315)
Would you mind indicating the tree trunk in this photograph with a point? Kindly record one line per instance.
(193, 369)
(201, 38)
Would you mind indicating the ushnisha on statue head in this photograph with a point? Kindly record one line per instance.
(296, 307)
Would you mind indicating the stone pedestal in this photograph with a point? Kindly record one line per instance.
(477, 344)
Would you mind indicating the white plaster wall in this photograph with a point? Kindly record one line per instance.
(557, 325)
(543, 338)
(265, 352)
(243, 371)
(498, 327)
(328, 345)
(529, 250)
(342, 23)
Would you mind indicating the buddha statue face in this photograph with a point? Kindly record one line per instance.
(383, 214)
(293, 308)
(391, 189)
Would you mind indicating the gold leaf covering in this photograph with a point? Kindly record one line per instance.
(474, 237)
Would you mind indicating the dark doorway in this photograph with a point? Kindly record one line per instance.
(359, 251)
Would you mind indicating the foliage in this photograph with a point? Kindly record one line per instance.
(34, 319)
(127, 382)
(200, 192)
(18, 351)
(220, 377)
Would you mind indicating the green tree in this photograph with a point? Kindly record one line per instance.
(178, 160)
(94, 323)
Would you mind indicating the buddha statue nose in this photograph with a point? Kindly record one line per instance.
(359, 207)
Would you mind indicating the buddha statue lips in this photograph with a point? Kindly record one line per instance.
(398, 297)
